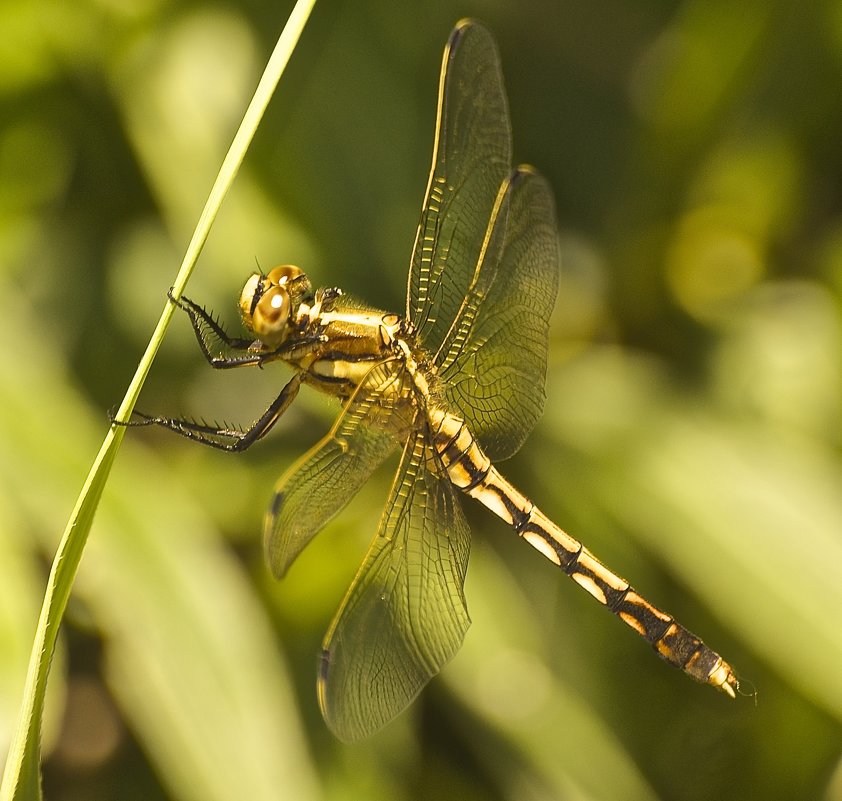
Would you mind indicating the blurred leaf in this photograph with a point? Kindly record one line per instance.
(745, 515)
(756, 518)
(685, 79)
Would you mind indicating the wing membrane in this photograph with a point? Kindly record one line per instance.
(404, 616)
(494, 358)
(325, 479)
(482, 282)
(471, 158)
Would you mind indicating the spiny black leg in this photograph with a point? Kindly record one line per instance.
(214, 340)
(223, 437)
(201, 318)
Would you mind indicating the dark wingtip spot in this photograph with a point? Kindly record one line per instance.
(458, 33)
(277, 503)
(324, 664)
(521, 173)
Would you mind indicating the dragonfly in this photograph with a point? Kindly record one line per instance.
(456, 384)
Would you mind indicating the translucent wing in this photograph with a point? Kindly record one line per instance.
(494, 357)
(325, 479)
(404, 616)
(471, 158)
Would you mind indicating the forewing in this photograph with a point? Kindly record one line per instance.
(404, 616)
(494, 358)
(325, 479)
(471, 158)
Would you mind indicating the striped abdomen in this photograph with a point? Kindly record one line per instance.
(471, 471)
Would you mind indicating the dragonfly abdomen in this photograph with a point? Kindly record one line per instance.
(470, 470)
(674, 643)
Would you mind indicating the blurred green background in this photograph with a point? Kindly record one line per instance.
(691, 436)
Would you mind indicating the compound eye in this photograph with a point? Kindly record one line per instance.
(284, 274)
(265, 307)
(251, 294)
(266, 302)
(271, 316)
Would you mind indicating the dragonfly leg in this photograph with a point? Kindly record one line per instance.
(214, 341)
(225, 438)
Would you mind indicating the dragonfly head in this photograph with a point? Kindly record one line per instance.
(268, 302)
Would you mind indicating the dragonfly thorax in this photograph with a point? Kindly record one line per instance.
(268, 302)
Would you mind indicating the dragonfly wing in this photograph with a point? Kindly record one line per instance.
(325, 479)
(494, 357)
(471, 158)
(404, 616)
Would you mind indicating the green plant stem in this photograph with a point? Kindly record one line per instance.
(21, 777)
